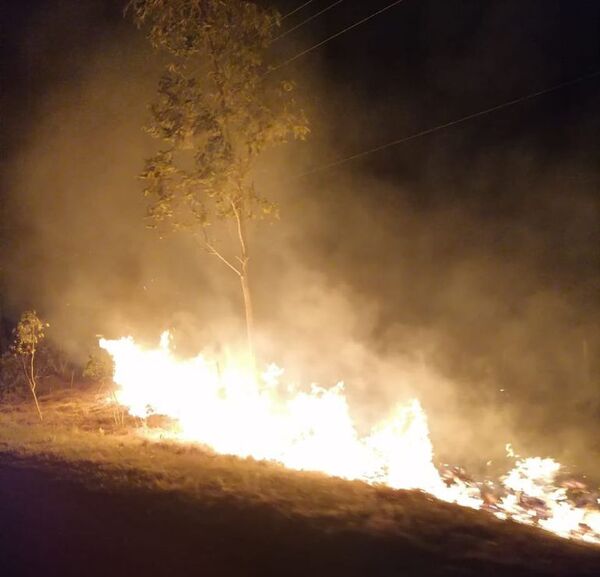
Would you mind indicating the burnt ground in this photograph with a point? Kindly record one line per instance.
(52, 523)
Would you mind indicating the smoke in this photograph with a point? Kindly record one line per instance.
(458, 271)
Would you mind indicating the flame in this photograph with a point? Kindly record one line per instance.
(535, 494)
(234, 412)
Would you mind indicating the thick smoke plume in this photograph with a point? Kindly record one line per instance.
(470, 282)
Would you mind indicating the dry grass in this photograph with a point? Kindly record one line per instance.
(81, 439)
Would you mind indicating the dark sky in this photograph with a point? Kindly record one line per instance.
(479, 244)
(420, 64)
(437, 60)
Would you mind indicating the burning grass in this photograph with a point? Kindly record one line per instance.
(83, 440)
(223, 403)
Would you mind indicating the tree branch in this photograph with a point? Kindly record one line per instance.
(238, 219)
(212, 250)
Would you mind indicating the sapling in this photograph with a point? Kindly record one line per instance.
(28, 335)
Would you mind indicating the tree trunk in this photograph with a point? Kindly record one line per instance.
(239, 217)
(37, 404)
(248, 309)
(33, 386)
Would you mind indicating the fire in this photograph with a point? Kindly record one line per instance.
(534, 480)
(234, 412)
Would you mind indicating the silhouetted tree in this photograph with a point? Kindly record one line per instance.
(217, 110)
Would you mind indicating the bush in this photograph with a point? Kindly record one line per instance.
(100, 367)
(54, 362)
(12, 377)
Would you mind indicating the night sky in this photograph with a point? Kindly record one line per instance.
(478, 245)
(426, 62)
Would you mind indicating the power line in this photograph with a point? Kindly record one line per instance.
(282, 35)
(296, 10)
(347, 29)
(447, 124)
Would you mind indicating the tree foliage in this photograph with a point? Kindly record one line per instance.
(217, 110)
(28, 334)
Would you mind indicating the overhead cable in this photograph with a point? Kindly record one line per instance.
(427, 131)
(283, 34)
(330, 38)
(297, 9)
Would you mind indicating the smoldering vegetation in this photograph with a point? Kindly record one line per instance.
(459, 271)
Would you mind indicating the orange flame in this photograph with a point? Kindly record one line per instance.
(234, 412)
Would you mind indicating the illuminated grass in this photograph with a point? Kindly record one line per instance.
(80, 440)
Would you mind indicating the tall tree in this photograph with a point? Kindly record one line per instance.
(218, 109)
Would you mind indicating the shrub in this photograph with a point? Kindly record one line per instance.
(100, 367)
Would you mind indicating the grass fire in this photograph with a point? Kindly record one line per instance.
(233, 411)
(301, 288)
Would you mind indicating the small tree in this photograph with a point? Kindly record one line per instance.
(217, 111)
(27, 337)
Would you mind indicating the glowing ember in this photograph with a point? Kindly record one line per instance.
(232, 411)
(536, 497)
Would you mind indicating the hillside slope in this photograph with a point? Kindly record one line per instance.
(75, 502)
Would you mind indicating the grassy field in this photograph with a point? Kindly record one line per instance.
(81, 441)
